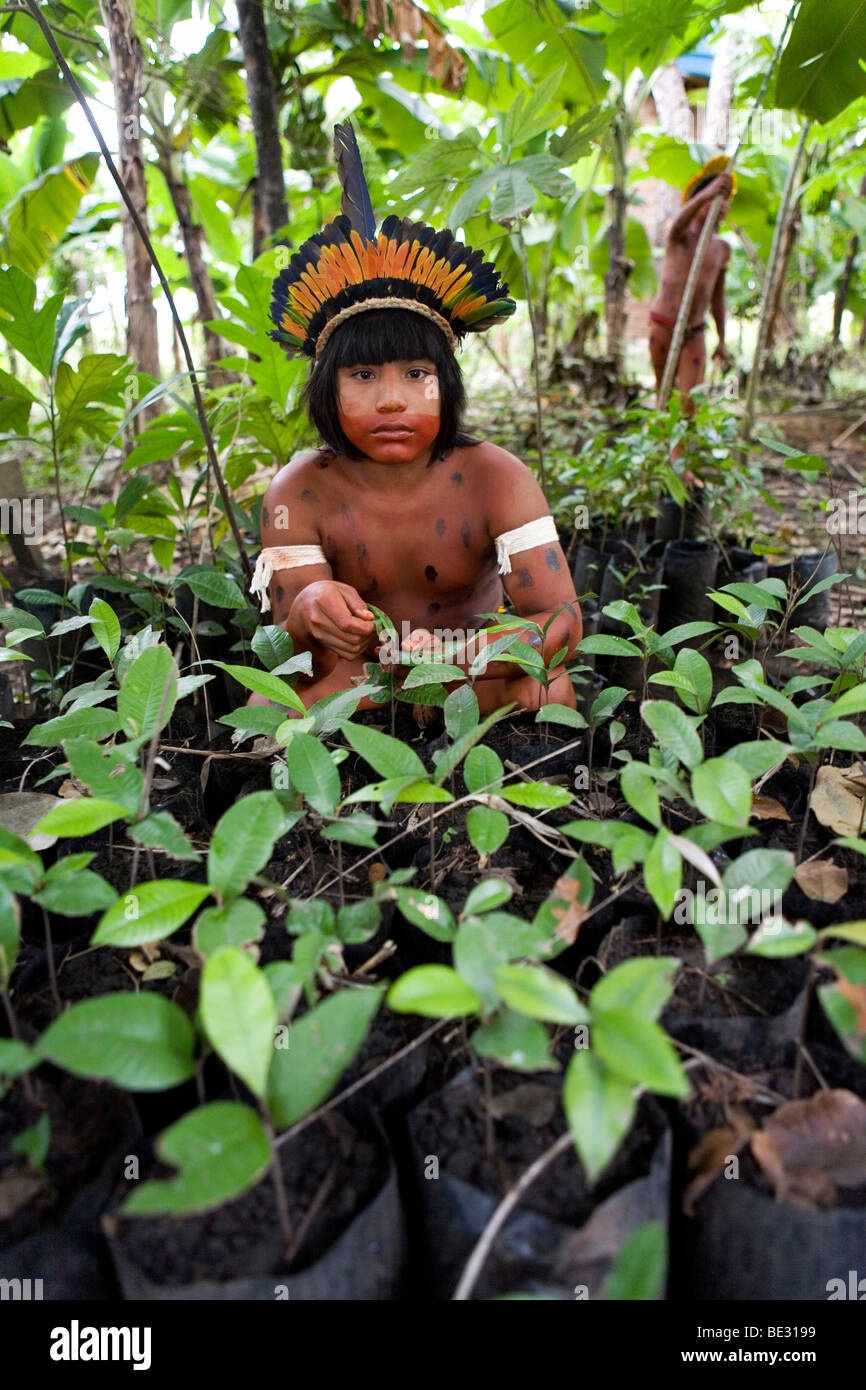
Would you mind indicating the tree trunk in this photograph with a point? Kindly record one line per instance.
(720, 93)
(263, 113)
(619, 267)
(841, 296)
(259, 229)
(792, 226)
(215, 346)
(127, 70)
(675, 118)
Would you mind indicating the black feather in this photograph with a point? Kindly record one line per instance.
(356, 205)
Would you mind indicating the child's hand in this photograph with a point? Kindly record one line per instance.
(722, 186)
(336, 616)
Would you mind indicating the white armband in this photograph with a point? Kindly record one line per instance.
(282, 557)
(525, 537)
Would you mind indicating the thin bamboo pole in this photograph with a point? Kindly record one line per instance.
(775, 268)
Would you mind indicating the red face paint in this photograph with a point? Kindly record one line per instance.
(391, 412)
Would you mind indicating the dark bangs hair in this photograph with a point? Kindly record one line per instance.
(374, 338)
(702, 184)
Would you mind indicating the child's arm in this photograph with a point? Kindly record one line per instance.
(323, 616)
(680, 225)
(539, 583)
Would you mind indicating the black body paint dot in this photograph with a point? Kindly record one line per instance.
(279, 592)
(363, 556)
(440, 526)
(345, 513)
(430, 573)
(525, 579)
(465, 533)
(308, 495)
(373, 586)
(457, 479)
(433, 609)
(266, 517)
(552, 559)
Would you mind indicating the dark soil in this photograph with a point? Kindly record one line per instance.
(452, 1125)
(242, 1238)
(77, 1151)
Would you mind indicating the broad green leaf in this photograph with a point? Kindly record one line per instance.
(360, 828)
(76, 895)
(109, 775)
(723, 791)
(86, 723)
(517, 1042)
(238, 923)
(599, 1107)
(10, 933)
(149, 912)
(160, 830)
(243, 842)
(536, 795)
(320, 1047)
(539, 993)
(663, 872)
(638, 1051)
(674, 730)
(777, 938)
(221, 1149)
(640, 1269)
(436, 991)
(141, 1042)
(847, 931)
(486, 895)
(386, 755)
(263, 683)
(639, 790)
(819, 72)
(80, 815)
(313, 773)
(272, 645)
(560, 714)
(106, 627)
(644, 985)
(425, 910)
(460, 711)
(148, 692)
(487, 828)
(212, 586)
(239, 1015)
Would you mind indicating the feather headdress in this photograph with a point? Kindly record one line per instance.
(349, 268)
(717, 165)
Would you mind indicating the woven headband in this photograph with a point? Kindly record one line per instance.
(349, 268)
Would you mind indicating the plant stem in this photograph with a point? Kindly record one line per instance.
(52, 973)
(279, 1185)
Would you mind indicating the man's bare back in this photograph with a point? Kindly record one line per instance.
(682, 241)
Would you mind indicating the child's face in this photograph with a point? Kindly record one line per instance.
(390, 413)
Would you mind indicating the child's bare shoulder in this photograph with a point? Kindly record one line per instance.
(298, 475)
(485, 461)
(508, 486)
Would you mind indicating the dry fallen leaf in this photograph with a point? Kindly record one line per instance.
(809, 1148)
(768, 808)
(377, 873)
(708, 1159)
(572, 913)
(856, 996)
(20, 811)
(16, 1190)
(534, 1103)
(837, 802)
(822, 880)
